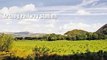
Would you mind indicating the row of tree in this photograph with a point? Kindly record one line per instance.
(70, 35)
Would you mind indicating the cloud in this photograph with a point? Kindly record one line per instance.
(80, 25)
(86, 2)
(78, 6)
(16, 9)
(79, 9)
(48, 26)
(27, 21)
(82, 12)
(38, 26)
(51, 26)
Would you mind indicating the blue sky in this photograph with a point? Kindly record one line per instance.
(38, 2)
(87, 15)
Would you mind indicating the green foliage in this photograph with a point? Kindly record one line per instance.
(77, 34)
(41, 51)
(62, 47)
(84, 35)
(70, 35)
(5, 42)
(77, 49)
(104, 31)
(53, 37)
(101, 55)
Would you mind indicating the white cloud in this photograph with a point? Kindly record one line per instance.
(83, 12)
(51, 26)
(78, 6)
(16, 9)
(86, 2)
(27, 21)
(77, 10)
(83, 26)
(44, 26)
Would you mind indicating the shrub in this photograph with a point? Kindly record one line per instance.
(5, 42)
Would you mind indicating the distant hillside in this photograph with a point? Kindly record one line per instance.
(27, 34)
(24, 34)
(102, 30)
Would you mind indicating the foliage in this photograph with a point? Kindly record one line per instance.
(5, 42)
(48, 37)
(58, 49)
(81, 35)
(100, 55)
(75, 32)
(69, 35)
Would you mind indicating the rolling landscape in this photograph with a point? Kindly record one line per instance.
(73, 45)
(53, 29)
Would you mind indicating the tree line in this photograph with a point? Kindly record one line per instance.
(69, 35)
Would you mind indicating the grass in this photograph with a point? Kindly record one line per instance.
(24, 48)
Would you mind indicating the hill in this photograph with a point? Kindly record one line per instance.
(24, 34)
(102, 30)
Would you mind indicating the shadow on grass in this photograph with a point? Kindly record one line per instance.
(83, 56)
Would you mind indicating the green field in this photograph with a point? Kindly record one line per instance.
(63, 47)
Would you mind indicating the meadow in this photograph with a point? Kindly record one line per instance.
(23, 48)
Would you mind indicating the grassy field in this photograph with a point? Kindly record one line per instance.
(25, 47)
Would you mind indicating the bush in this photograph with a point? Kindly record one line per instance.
(5, 42)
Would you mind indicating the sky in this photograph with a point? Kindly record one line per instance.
(66, 15)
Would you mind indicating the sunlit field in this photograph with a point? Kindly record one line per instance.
(23, 48)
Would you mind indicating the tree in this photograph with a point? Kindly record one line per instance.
(94, 36)
(52, 37)
(5, 41)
